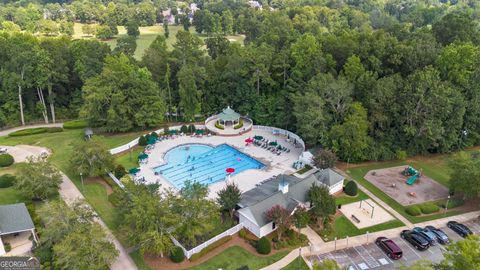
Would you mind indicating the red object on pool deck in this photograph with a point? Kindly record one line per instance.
(230, 170)
(248, 140)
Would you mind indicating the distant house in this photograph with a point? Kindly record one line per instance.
(168, 16)
(16, 228)
(287, 191)
(255, 4)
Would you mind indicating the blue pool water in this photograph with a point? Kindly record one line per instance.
(203, 163)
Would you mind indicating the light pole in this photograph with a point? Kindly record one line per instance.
(446, 205)
(81, 179)
(299, 257)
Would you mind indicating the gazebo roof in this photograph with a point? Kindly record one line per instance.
(228, 115)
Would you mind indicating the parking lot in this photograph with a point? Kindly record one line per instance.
(369, 256)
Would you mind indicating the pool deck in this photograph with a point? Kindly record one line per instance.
(245, 180)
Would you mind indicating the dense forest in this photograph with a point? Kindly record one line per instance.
(372, 80)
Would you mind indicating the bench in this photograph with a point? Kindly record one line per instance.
(355, 219)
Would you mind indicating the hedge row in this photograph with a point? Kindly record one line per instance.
(75, 124)
(413, 210)
(209, 248)
(425, 208)
(7, 180)
(6, 160)
(32, 131)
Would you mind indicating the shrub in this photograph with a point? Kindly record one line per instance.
(116, 197)
(401, 155)
(351, 188)
(154, 135)
(142, 141)
(54, 129)
(264, 246)
(239, 125)
(429, 208)
(184, 129)
(165, 130)
(217, 125)
(452, 203)
(7, 247)
(28, 131)
(177, 255)
(6, 160)
(242, 233)
(413, 210)
(191, 128)
(209, 248)
(7, 180)
(119, 171)
(75, 124)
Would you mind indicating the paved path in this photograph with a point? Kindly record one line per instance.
(70, 193)
(10, 130)
(363, 239)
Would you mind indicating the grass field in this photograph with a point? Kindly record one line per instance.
(297, 264)
(437, 170)
(129, 159)
(235, 257)
(345, 199)
(148, 35)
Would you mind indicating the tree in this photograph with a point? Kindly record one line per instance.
(326, 264)
(86, 247)
(155, 58)
(166, 32)
(122, 97)
(47, 27)
(322, 203)
(126, 45)
(325, 159)
(301, 218)
(188, 92)
(92, 157)
(38, 179)
(185, 22)
(132, 28)
(465, 174)
(216, 46)
(455, 26)
(280, 217)
(187, 48)
(104, 32)
(229, 197)
(463, 254)
(149, 220)
(88, 57)
(88, 29)
(310, 118)
(227, 22)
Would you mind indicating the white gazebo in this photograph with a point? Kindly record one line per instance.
(228, 117)
(228, 123)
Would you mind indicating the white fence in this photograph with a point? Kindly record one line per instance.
(115, 179)
(290, 134)
(189, 253)
(133, 143)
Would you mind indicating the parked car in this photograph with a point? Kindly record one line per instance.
(459, 228)
(415, 239)
(442, 237)
(389, 247)
(430, 236)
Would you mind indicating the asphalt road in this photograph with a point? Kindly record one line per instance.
(369, 256)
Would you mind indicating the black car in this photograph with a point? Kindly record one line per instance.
(415, 239)
(389, 247)
(442, 237)
(430, 236)
(459, 228)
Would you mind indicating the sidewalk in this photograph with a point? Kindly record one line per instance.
(69, 193)
(363, 239)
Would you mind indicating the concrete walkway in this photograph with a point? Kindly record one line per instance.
(10, 130)
(69, 193)
(362, 239)
(312, 236)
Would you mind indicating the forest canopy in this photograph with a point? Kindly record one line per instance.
(367, 79)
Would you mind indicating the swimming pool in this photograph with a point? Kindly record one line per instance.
(203, 163)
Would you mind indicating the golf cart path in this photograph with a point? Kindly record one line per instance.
(10, 130)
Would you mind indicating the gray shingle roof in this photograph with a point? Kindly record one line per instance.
(228, 115)
(14, 218)
(258, 200)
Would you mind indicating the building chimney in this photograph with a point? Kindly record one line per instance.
(283, 186)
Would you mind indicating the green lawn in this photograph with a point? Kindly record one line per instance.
(10, 195)
(137, 258)
(129, 159)
(297, 264)
(148, 35)
(436, 171)
(236, 257)
(345, 199)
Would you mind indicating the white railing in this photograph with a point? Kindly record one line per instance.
(133, 143)
(115, 179)
(189, 253)
(290, 134)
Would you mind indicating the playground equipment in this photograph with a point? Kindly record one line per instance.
(414, 175)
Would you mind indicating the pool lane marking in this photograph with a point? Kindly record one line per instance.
(412, 249)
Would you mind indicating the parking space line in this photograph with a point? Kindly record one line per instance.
(350, 259)
(372, 262)
(408, 245)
